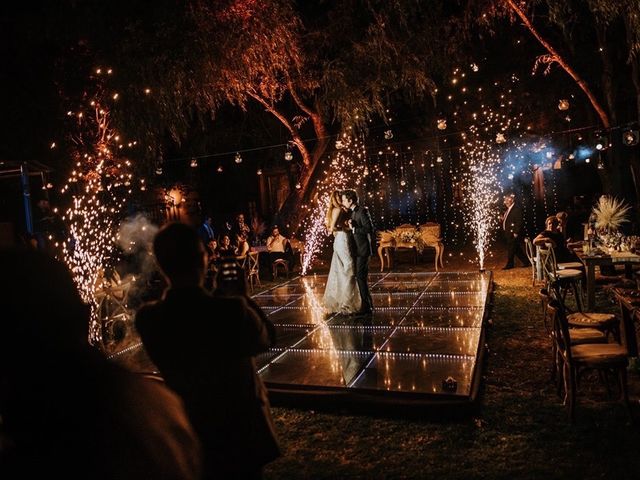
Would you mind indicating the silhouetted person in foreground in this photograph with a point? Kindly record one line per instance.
(203, 346)
(68, 412)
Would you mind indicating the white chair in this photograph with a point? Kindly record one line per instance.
(534, 259)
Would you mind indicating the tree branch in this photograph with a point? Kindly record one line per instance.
(297, 140)
(562, 62)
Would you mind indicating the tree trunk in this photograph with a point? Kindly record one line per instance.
(291, 211)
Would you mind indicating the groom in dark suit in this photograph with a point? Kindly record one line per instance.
(362, 231)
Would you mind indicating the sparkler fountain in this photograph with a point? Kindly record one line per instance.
(346, 170)
(482, 189)
(99, 185)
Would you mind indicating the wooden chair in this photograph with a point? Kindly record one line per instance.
(251, 267)
(607, 323)
(386, 242)
(577, 335)
(575, 359)
(430, 234)
(562, 278)
(280, 264)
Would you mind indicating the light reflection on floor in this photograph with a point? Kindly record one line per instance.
(426, 328)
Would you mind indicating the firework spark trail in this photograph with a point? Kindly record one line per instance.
(482, 191)
(347, 170)
(100, 185)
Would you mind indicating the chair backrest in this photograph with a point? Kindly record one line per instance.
(531, 255)
(252, 263)
(430, 233)
(548, 261)
(384, 236)
(544, 300)
(560, 330)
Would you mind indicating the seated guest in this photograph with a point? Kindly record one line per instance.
(276, 244)
(226, 249)
(556, 239)
(562, 223)
(213, 255)
(242, 245)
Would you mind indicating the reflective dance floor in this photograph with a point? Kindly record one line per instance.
(422, 345)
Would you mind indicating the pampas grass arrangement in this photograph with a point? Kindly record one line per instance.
(610, 214)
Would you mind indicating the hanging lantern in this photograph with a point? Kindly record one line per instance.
(288, 156)
(238, 158)
(563, 104)
(442, 124)
(194, 163)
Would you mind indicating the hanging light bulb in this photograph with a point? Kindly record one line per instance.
(259, 172)
(298, 186)
(402, 183)
(388, 135)
(442, 124)
(500, 138)
(219, 169)
(238, 158)
(563, 104)
(439, 159)
(159, 170)
(288, 156)
(194, 163)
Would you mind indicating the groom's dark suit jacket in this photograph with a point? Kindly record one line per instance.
(362, 231)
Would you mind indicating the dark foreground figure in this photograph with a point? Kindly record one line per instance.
(204, 347)
(68, 412)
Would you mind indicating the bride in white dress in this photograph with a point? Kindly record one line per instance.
(341, 294)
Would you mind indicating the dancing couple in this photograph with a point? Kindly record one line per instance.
(347, 290)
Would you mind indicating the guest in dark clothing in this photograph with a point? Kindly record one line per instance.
(556, 239)
(68, 412)
(512, 224)
(207, 232)
(207, 356)
(226, 248)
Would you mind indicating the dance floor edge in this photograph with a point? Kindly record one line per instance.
(423, 347)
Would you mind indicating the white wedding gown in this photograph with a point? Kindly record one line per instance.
(341, 295)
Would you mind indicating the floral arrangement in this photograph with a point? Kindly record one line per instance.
(410, 237)
(610, 213)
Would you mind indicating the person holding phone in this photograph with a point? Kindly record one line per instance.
(207, 355)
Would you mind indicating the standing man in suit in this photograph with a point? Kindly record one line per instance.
(512, 228)
(362, 230)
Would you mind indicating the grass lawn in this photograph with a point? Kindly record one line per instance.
(521, 431)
